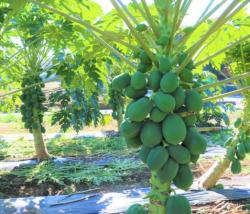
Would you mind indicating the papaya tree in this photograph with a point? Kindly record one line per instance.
(33, 53)
(165, 96)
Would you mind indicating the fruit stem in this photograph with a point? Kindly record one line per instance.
(222, 82)
(222, 50)
(158, 196)
(133, 31)
(216, 97)
(149, 18)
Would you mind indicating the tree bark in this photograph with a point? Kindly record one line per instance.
(40, 146)
(210, 178)
(158, 196)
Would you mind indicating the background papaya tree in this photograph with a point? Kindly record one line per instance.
(165, 47)
(33, 53)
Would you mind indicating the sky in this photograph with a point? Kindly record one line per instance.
(194, 12)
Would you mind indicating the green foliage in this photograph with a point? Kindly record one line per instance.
(76, 109)
(77, 173)
(33, 99)
(117, 103)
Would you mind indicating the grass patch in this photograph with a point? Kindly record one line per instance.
(82, 147)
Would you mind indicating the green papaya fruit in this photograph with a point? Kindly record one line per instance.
(129, 129)
(165, 102)
(133, 142)
(235, 166)
(165, 64)
(139, 110)
(136, 209)
(121, 81)
(168, 172)
(142, 67)
(154, 80)
(240, 151)
(195, 142)
(157, 115)
(179, 96)
(143, 153)
(190, 120)
(133, 93)
(247, 147)
(180, 154)
(141, 27)
(169, 82)
(151, 134)
(194, 158)
(193, 101)
(138, 81)
(145, 58)
(157, 157)
(231, 153)
(186, 75)
(178, 204)
(174, 129)
(184, 178)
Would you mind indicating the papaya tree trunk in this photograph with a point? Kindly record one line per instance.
(210, 178)
(40, 146)
(158, 196)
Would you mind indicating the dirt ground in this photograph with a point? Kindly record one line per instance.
(13, 186)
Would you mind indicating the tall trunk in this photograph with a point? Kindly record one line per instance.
(40, 146)
(210, 178)
(158, 196)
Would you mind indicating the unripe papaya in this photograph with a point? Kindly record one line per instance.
(145, 58)
(129, 129)
(143, 153)
(179, 95)
(195, 142)
(240, 151)
(180, 154)
(190, 120)
(165, 102)
(169, 82)
(141, 27)
(193, 101)
(174, 129)
(178, 204)
(139, 109)
(133, 142)
(186, 75)
(168, 172)
(235, 166)
(121, 81)
(139, 81)
(157, 157)
(133, 93)
(165, 64)
(184, 177)
(194, 158)
(156, 115)
(154, 80)
(136, 209)
(142, 67)
(151, 134)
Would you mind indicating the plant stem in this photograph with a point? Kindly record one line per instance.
(217, 97)
(222, 82)
(174, 25)
(158, 196)
(18, 90)
(127, 11)
(133, 31)
(219, 22)
(222, 50)
(149, 18)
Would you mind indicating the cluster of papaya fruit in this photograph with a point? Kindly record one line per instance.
(33, 99)
(161, 118)
(238, 146)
